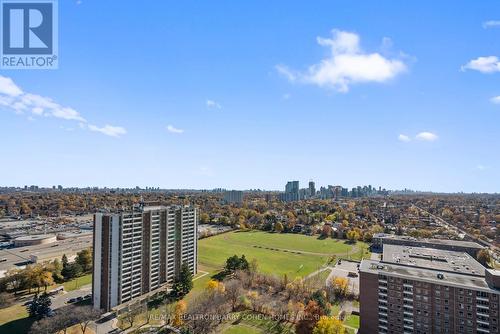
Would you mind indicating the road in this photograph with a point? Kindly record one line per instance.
(62, 299)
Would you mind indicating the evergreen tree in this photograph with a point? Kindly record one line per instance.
(40, 306)
(184, 283)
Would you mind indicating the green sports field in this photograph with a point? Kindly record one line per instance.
(291, 254)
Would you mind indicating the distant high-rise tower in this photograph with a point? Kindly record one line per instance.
(233, 196)
(291, 192)
(138, 251)
(312, 189)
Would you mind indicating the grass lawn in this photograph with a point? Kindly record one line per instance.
(14, 319)
(77, 282)
(279, 254)
(242, 329)
(352, 321)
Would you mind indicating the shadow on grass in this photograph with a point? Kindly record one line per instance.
(19, 326)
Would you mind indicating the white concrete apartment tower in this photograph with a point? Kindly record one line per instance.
(137, 251)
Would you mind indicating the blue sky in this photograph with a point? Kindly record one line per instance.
(251, 94)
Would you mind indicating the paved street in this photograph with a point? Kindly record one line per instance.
(61, 299)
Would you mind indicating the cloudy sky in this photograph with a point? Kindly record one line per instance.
(252, 94)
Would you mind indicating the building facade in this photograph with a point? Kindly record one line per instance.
(291, 193)
(137, 251)
(233, 196)
(426, 291)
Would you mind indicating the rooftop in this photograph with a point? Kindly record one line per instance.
(426, 275)
(35, 237)
(430, 258)
(459, 243)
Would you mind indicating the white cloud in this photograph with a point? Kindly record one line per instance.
(348, 64)
(488, 64)
(287, 96)
(481, 167)
(404, 138)
(14, 98)
(211, 104)
(426, 136)
(495, 100)
(8, 87)
(108, 130)
(172, 129)
(491, 24)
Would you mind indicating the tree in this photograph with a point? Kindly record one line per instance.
(312, 313)
(326, 231)
(329, 325)
(214, 286)
(352, 235)
(16, 278)
(65, 261)
(204, 218)
(85, 316)
(484, 256)
(179, 310)
(56, 269)
(84, 259)
(46, 279)
(294, 309)
(40, 306)
(278, 227)
(233, 292)
(6, 299)
(234, 263)
(340, 286)
(320, 298)
(184, 283)
(72, 270)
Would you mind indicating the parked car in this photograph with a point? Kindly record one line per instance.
(352, 274)
(72, 300)
(87, 296)
(79, 299)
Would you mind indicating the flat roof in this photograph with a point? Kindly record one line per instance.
(431, 258)
(35, 237)
(459, 243)
(426, 275)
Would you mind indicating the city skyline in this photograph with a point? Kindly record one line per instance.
(359, 94)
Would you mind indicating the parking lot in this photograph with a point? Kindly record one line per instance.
(343, 269)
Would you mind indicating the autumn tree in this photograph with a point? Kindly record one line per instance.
(179, 310)
(340, 286)
(484, 257)
(312, 313)
(329, 325)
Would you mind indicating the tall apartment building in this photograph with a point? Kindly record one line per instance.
(425, 291)
(312, 189)
(233, 196)
(138, 251)
(291, 192)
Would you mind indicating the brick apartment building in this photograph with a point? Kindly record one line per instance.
(425, 290)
